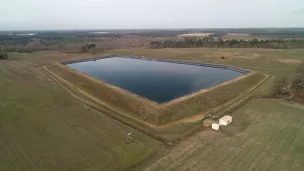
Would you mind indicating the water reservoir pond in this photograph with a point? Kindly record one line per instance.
(159, 81)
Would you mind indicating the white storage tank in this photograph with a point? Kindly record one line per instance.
(215, 126)
(225, 120)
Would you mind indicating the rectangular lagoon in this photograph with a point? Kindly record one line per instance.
(156, 80)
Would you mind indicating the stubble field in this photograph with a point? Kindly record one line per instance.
(43, 128)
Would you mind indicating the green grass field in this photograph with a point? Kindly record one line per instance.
(43, 128)
(265, 135)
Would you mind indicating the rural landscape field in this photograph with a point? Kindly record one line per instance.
(152, 85)
(44, 128)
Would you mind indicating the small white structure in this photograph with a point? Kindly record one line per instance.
(225, 120)
(215, 126)
(129, 138)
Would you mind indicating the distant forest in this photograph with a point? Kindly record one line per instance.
(78, 41)
(193, 42)
(275, 32)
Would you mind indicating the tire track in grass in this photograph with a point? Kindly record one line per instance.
(296, 134)
(273, 162)
(278, 153)
(246, 141)
(261, 157)
(174, 154)
(219, 150)
(55, 126)
(293, 149)
(223, 157)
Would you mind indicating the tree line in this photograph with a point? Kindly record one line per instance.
(193, 42)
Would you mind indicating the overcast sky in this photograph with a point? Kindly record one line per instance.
(129, 14)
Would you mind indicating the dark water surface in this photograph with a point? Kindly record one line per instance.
(155, 80)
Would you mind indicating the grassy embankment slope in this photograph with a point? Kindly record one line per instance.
(148, 111)
(44, 128)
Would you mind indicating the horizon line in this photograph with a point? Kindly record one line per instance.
(7, 30)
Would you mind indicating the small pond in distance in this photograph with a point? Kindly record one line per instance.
(159, 81)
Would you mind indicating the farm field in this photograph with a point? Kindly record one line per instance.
(265, 135)
(43, 128)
